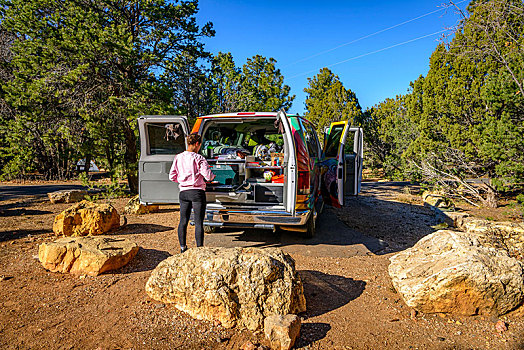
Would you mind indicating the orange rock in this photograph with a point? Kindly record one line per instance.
(86, 255)
(282, 331)
(86, 218)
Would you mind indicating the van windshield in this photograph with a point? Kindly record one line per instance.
(236, 137)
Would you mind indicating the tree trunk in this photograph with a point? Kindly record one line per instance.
(87, 164)
(130, 158)
(491, 200)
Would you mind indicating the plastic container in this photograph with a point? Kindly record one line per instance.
(278, 179)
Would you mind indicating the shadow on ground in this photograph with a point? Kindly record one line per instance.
(373, 222)
(16, 191)
(16, 234)
(22, 211)
(332, 238)
(317, 285)
(145, 260)
(396, 223)
(132, 229)
(312, 332)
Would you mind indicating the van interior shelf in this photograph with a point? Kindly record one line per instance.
(275, 167)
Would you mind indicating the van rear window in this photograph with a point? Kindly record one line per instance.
(165, 138)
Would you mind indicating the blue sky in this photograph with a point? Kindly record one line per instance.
(294, 31)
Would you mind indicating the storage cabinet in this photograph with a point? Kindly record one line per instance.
(243, 182)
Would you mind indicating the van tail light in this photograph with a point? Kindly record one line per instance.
(303, 182)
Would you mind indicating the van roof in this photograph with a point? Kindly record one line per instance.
(244, 114)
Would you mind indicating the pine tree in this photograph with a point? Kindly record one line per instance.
(226, 80)
(262, 87)
(469, 107)
(329, 101)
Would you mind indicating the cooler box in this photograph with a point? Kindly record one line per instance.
(225, 174)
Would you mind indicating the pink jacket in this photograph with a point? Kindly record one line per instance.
(191, 171)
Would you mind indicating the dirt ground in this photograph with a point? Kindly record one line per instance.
(351, 303)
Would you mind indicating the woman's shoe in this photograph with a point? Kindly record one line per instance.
(183, 249)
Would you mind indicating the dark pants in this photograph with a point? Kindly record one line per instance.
(195, 199)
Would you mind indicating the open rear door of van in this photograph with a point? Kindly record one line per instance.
(343, 152)
(290, 159)
(161, 138)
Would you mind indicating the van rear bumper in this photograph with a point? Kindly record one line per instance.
(265, 219)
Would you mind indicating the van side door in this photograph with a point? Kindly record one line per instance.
(161, 138)
(354, 158)
(290, 163)
(343, 152)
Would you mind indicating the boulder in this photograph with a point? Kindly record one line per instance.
(234, 286)
(67, 196)
(454, 272)
(282, 331)
(135, 207)
(86, 218)
(86, 255)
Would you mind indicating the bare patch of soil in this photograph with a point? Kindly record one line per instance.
(351, 303)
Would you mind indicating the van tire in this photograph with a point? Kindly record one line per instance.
(209, 229)
(310, 226)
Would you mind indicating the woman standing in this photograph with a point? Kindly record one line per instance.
(191, 171)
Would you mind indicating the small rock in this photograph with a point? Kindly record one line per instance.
(413, 314)
(135, 207)
(441, 338)
(68, 196)
(437, 200)
(282, 331)
(501, 326)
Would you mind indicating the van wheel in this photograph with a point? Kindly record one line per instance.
(209, 229)
(310, 226)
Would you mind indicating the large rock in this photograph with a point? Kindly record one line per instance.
(86, 255)
(282, 331)
(135, 207)
(454, 272)
(235, 286)
(86, 218)
(67, 196)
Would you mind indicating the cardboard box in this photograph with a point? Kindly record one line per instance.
(277, 159)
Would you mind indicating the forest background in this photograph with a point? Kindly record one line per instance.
(75, 75)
